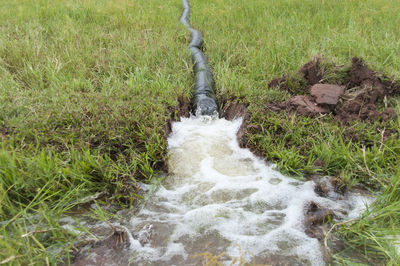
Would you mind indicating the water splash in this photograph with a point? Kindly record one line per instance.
(219, 197)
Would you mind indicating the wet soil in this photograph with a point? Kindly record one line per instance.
(234, 108)
(358, 93)
(103, 252)
(182, 109)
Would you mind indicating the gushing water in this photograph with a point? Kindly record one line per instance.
(220, 198)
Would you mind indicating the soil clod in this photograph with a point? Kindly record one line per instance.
(317, 215)
(327, 94)
(304, 105)
(311, 71)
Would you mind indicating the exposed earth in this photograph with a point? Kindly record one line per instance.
(361, 94)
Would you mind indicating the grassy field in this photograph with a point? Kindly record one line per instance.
(86, 88)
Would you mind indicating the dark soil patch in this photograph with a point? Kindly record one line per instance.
(312, 71)
(357, 93)
(183, 109)
(317, 223)
(230, 109)
(236, 108)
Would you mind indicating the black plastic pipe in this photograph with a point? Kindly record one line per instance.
(203, 100)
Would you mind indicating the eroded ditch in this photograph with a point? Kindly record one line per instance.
(222, 199)
(212, 177)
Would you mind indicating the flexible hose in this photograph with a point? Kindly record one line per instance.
(203, 100)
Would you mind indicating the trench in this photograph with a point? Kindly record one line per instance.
(219, 201)
(220, 198)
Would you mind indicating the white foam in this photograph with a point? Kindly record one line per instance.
(219, 196)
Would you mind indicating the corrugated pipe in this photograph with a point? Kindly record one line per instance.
(203, 101)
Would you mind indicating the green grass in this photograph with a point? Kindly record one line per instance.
(86, 87)
(377, 230)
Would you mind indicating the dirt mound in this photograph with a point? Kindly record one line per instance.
(357, 92)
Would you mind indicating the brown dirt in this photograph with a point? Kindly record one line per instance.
(181, 110)
(327, 94)
(312, 71)
(235, 108)
(305, 105)
(360, 99)
(309, 74)
(317, 215)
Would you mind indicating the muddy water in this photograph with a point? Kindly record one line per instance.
(221, 199)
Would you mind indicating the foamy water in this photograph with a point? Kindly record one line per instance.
(220, 198)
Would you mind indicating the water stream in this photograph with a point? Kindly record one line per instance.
(220, 198)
